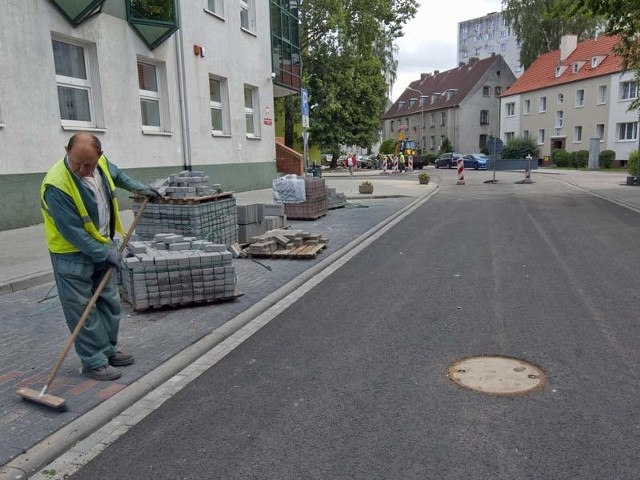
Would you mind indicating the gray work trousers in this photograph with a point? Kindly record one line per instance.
(77, 278)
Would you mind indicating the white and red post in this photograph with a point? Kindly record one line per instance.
(460, 171)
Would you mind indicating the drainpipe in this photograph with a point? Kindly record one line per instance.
(182, 95)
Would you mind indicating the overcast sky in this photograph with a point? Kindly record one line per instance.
(430, 39)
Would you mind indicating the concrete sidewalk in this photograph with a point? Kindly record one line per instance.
(166, 341)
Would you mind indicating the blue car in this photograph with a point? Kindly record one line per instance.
(477, 161)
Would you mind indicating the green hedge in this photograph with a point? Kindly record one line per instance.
(561, 158)
(632, 164)
(606, 158)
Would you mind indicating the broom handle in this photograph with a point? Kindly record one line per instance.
(92, 302)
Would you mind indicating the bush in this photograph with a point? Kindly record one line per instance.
(387, 146)
(632, 164)
(580, 159)
(561, 158)
(606, 158)
(431, 157)
(446, 146)
(520, 147)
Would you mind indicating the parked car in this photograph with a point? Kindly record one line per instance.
(448, 160)
(477, 161)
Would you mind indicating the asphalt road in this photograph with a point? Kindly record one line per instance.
(351, 381)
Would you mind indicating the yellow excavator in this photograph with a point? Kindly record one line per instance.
(404, 145)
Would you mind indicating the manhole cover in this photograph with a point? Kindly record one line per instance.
(497, 375)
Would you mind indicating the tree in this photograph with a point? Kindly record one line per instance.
(540, 24)
(446, 146)
(620, 18)
(347, 49)
(387, 146)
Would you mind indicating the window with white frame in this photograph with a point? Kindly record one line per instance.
(486, 91)
(628, 90)
(477, 51)
(580, 98)
(602, 94)
(527, 107)
(510, 109)
(248, 15)
(74, 81)
(627, 131)
(149, 96)
(541, 136)
(443, 117)
(219, 105)
(216, 6)
(577, 134)
(559, 119)
(498, 91)
(484, 117)
(509, 136)
(432, 143)
(251, 111)
(542, 107)
(600, 131)
(442, 137)
(432, 120)
(525, 133)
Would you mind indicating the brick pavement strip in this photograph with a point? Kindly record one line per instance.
(153, 336)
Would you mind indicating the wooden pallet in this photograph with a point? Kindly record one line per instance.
(189, 200)
(300, 253)
(310, 217)
(236, 294)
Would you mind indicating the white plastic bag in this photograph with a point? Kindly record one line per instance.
(289, 189)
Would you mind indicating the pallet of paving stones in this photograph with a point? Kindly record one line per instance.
(335, 199)
(194, 200)
(292, 244)
(173, 270)
(307, 210)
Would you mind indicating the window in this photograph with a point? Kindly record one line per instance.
(432, 120)
(465, 54)
(580, 98)
(629, 90)
(560, 98)
(602, 94)
(560, 70)
(527, 107)
(443, 117)
(542, 105)
(218, 101)
(510, 109)
(526, 133)
(412, 102)
(491, 36)
(248, 15)
(509, 136)
(600, 131)
(149, 96)
(498, 91)
(484, 117)
(432, 143)
(503, 47)
(541, 136)
(491, 49)
(251, 111)
(478, 38)
(559, 119)
(74, 82)
(216, 6)
(486, 91)
(627, 131)
(504, 33)
(477, 52)
(465, 30)
(441, 139)
(575, 67)
(482, 141)
(577, 134)
(392, 125)
(400, 104)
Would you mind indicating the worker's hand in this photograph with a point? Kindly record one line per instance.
(114, 258)
(151, 193)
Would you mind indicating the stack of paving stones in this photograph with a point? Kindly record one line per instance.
(175, 270)
(335, 199)
(256, 219)
(191, 207)
(315, 204)
(280, 241)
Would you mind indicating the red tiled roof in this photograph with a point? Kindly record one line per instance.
(463, 79)
(542, 72)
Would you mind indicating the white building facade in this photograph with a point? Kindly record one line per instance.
(201, 98)
(489, 35)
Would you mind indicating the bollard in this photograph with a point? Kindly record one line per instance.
(395, 164)
(460, 172)
(410, 164)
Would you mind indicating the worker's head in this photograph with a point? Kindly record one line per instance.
(83, 152)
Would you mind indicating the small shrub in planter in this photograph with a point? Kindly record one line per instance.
(561, 158)
(606, 158)
(424, 178)
(365, 187)
(632, 164)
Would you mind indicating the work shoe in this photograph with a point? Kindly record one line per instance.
(120, 359)
(103, 373)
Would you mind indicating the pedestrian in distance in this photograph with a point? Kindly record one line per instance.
(81, 217)
(401, 162)
(350, 162)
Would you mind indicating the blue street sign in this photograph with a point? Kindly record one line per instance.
(305, 101)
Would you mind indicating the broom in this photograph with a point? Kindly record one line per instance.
(42, 397)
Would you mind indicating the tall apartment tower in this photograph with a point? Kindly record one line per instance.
(489, 35)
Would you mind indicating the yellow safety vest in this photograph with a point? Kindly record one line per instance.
(62, 178)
